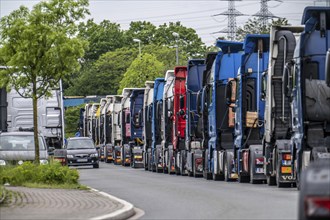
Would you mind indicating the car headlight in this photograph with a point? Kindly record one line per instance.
(94, 155)
(2, 163)
(43, 162)
(69, 156)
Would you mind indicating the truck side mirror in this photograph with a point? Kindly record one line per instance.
(198, 102)
(169, 104)
(327, 68)
(128, 118)
(181, 101)
(157, 109)
(263, 86)
(230, 92)
(286, 88)
(118, 119)
(138, 119)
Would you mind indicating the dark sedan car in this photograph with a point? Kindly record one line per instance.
(81, 151)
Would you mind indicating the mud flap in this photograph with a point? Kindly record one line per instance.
(256, 163)
(284, 174)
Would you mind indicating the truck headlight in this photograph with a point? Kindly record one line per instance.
(2, 163)
(43, 162)
(69, 156)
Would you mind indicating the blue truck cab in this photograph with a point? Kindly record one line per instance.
(308, 87)
(157, 111)
(136, 126)
(220, 115)
(193, 137)
(248, 159)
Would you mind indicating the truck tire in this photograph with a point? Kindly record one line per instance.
(215, 176)
(182, 164)
(105, 155)
(271, 180)
(226, 169)
(194, 171)
(165, 157)
(206, 174)
(145, 161)
(252, 180)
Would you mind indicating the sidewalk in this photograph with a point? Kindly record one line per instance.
(32, 203)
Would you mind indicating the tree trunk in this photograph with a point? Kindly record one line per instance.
(35, 122)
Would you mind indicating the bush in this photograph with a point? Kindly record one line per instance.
(50, 174)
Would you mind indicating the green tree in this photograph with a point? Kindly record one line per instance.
(106, 73)
(41, 47)
(143, 68)
(102, 38)
(190, 45)
(254, 26)
(142, 30)
(72, 120)
(166, 55)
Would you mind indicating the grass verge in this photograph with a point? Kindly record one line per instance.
(52, 175)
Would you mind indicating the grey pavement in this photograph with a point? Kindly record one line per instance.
(32, 203)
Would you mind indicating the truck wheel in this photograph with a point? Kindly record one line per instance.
(105, 156)
(226, 173)
(252, 180)
(271, 180)
(194, 171)
(215, 176)
(165, 157)
(149, 162)
(170, 162)
(145, 161)
(176, 164)
(182, 164)
(206, 174)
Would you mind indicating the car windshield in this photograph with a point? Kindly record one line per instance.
(80, 144)
(19, 143)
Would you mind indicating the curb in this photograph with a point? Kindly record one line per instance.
(124, 213)
(2, 199)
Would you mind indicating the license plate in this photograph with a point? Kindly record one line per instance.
(138, 157)
(109, 158)
(285, 169)
(82, 160)
(259, 170)
(286, 162)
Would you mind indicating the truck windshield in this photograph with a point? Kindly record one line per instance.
(19, 143)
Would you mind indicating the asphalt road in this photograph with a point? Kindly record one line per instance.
(163, 196)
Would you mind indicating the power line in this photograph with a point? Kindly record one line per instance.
(264, 14)
(232, 13)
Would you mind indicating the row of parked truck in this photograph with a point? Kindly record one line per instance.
(257, 110)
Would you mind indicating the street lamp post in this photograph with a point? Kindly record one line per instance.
(139, 41)
(176, 35)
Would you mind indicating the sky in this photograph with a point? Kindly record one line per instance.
(197, 14)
